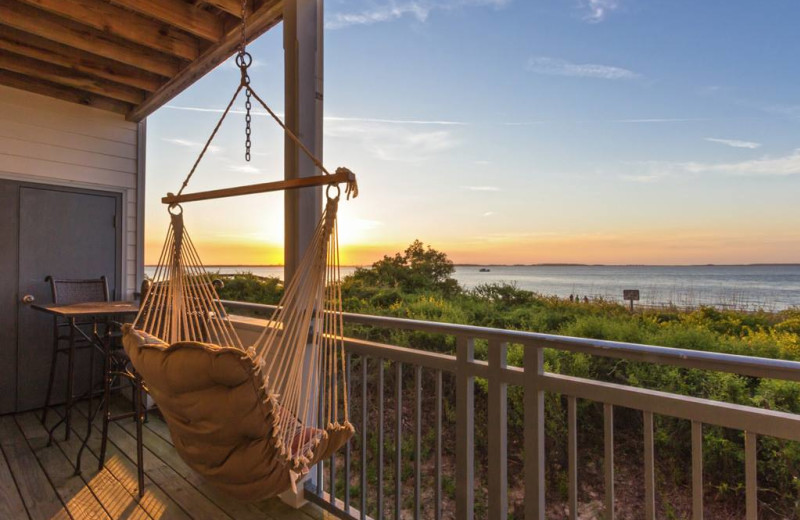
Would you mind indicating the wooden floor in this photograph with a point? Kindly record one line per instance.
(36, 481)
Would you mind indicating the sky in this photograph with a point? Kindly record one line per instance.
(518, 132)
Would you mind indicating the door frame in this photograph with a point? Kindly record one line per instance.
(119, 232)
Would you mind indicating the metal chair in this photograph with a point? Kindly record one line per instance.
(66, 291)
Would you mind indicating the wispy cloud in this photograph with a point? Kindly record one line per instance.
(386, 139)
(654, 171)
(365, 224)
(387, 11)
(523, 123)
(256, 112)
(397, 121)
(662, 120)
(191, 144)
(735, 143)
(792, 111)
(488, 214)
(481, 188)
(559, 67)
(766, 166)
(393, 141)
(597, 10)
(244, 168)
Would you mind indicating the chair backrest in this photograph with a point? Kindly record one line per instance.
(66, 291)
(154, 309)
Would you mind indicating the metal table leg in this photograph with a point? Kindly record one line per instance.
(70, 378)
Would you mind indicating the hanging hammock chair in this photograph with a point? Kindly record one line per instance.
(251, 420)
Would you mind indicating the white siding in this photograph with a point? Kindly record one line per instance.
(54, 142)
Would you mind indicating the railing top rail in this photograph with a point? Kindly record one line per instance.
(686, 358)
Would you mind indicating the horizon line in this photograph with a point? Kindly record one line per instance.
(546, 264)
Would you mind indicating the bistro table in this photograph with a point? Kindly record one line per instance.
(97, 313)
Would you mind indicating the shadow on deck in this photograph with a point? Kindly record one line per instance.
(37, 481)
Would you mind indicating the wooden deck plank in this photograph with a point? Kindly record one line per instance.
(36, 491)
(184, 494)
(118, 501)
(72, 489)
(11, 505)
(158, 439)
(280, 511)
(155, 501)
(166, 452)
(172, 490)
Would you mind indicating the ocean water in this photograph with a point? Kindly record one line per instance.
(771, 287)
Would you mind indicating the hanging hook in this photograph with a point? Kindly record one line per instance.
(328, 191)
(172, 207)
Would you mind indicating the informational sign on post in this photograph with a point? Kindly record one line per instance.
(631, 295)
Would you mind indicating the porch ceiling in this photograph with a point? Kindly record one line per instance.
(125, 56)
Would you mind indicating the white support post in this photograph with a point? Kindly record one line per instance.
(303, 62)
(302, 44)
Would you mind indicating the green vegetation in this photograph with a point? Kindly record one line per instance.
(418, 284)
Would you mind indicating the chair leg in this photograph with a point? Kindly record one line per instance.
(50, 381)
(89, 413)
(139, 440)
(70, 378)
(106, 401)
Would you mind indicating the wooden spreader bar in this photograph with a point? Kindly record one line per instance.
(340, 176)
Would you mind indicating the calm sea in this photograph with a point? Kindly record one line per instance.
(772, 287)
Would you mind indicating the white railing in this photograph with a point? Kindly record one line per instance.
(463, 368)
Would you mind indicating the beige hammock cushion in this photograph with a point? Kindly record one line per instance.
(218, 415)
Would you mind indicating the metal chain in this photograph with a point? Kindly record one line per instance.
(247, 105)
(244, 60)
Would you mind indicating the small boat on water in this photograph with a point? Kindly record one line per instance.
(484, 270)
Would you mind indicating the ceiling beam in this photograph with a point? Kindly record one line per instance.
(260, 21)
(72, 34)
(69, 78)
(233, 7)
(45, 88)
(178, 13)
(124, 24)
(24, 44)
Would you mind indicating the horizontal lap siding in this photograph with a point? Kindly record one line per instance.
(53, 142)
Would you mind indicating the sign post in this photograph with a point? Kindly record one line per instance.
(631, 295)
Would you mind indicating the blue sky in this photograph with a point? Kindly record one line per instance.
(520, 131)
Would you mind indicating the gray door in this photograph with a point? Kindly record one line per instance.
(64, 234)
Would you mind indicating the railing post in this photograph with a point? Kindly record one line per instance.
(697, 470)
(750, 475)
(498, 431)
(649, 468)
(608, 459)
(465, 429)
(534, 433)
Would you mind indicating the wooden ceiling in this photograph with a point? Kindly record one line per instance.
(126, 56)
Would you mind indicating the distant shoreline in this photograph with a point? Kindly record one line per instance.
(542, 265)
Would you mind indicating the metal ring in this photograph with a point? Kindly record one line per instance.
(244, 59)
(328, 191)
(173, 206)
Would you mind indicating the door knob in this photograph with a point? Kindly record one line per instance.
(28, 298)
